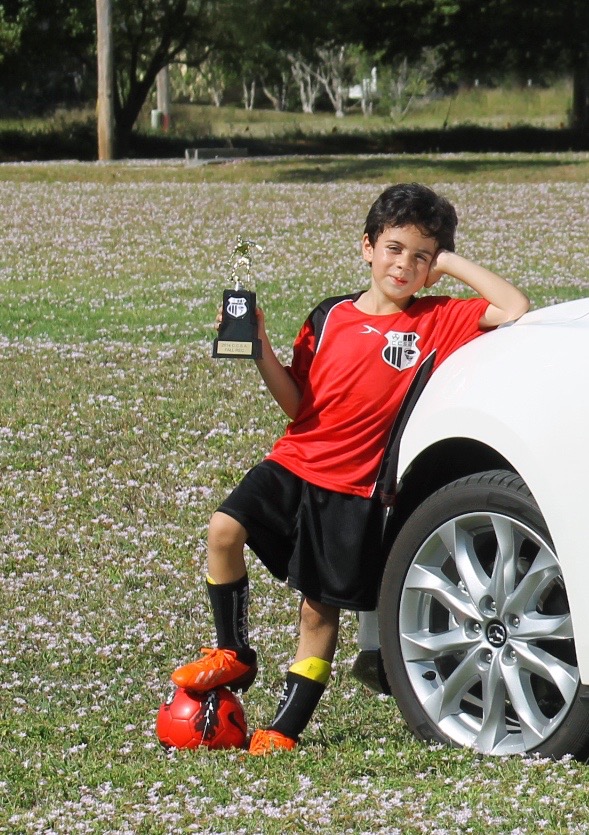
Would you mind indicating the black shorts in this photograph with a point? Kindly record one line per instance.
(327, 544)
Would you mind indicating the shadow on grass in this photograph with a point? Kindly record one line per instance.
(333, 169)
(78, 141)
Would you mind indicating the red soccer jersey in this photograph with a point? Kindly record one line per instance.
(353, 383)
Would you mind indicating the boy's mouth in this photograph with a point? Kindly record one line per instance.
(399, 280)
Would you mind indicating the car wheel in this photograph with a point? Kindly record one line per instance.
(476, 635)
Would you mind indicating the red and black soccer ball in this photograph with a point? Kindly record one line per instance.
(214, 719)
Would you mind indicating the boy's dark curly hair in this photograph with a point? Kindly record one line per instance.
(413, 204)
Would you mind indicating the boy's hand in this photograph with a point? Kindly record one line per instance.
(261, 324)
(436, 269)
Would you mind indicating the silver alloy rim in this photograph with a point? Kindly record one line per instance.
(486, 634)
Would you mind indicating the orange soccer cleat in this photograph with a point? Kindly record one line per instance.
(217, 668)
(268, 741)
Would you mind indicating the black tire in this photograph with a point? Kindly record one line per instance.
(476, 635)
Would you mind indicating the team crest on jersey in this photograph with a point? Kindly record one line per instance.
(236, 307)
(401, 350)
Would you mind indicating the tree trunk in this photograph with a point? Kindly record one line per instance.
(306, 80)
(249, 93)
(580, 108)
(126, 113)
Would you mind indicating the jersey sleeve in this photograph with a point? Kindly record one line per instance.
(302, 354)
(460, 323)
(306, 343)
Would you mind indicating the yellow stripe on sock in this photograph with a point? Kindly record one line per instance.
(210, 581)
(314, 668)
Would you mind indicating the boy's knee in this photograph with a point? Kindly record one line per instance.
(317, 616)
(225, 532)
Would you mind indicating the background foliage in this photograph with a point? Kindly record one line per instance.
(291, 53)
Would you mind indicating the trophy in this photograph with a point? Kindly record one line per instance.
(238, 331)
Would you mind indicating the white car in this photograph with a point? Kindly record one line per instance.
(482, 630)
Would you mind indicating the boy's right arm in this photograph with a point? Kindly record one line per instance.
(506, 302)
(280, 384)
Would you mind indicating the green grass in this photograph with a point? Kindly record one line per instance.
(300, 169)
(118, 437)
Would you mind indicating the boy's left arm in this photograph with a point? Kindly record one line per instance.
(506, 302)
(280, 383)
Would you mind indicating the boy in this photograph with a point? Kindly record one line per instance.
(309, 510)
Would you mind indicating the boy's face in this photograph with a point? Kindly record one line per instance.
(400, 261)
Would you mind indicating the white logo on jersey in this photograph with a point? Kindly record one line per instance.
(370, 329)
(401, 350)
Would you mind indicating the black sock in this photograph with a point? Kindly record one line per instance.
(230, 604)
(299, 699)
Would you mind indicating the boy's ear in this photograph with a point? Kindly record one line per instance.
(367, 250)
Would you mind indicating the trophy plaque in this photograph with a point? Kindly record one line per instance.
(238, 332)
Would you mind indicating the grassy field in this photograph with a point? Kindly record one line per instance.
(118, 437)
(545, 107)
(300, 169)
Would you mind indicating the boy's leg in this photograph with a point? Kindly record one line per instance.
(234, 662)
(306, 679)
(319, 627)
(225, 561)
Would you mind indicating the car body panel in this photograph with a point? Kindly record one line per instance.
(523, 391)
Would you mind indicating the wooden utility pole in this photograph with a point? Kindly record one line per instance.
(105, 104)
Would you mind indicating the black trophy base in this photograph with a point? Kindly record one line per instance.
(238, 331)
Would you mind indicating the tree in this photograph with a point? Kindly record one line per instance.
(412, 83)
(154, 33)
(307, 81)
(330, 72)
(10, 32)
(488, 38)
(275, 76)
(193, 83)
(48, 50)
(250, 36)
(530, 38)
(333, 73)
(275, 86)
(52, 59)
(302, 38)
(58, 44)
